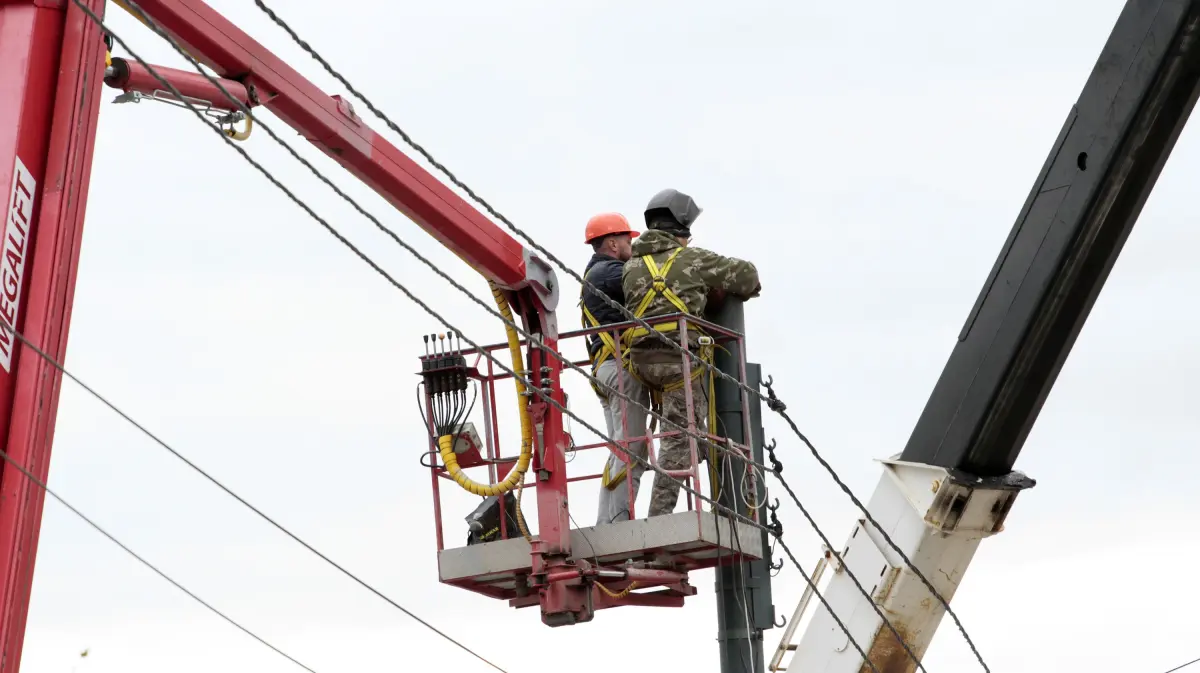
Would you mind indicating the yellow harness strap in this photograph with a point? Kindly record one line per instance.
(658, 279)
(659, 286)
(658, 276)
(609, 345)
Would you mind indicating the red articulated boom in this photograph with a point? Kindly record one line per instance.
(55, 64)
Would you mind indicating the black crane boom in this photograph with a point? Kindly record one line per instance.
(1066, 239)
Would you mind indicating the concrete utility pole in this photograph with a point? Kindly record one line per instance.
(744, 606)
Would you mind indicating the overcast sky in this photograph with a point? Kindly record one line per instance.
(870, 158)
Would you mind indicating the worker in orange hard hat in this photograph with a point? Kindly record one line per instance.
(611, 239)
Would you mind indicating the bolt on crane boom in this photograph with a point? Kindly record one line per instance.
(953, 484)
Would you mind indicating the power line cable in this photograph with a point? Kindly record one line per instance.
(1180, 668)
(626, 313)
(148, 21)
(408, 140)
(666, 422)
(512, 324)
(409, 248)
(140, 559)
(421, 303)
(399, 241)
(391, 234)
(156, 439)
(417, 255)
(199, 470)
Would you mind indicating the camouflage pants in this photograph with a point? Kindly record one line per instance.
(675, 453)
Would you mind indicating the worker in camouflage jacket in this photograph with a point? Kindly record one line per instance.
(689, 277)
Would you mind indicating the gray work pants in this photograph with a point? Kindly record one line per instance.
(614, 501)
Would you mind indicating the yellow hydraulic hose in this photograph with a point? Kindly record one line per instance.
(516, 476)
(242, 135)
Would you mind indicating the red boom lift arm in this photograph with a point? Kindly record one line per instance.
(55, 59)
(55, 64)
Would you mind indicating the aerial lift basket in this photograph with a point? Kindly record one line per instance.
(495, 560)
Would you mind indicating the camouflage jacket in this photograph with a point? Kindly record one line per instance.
(694, 274)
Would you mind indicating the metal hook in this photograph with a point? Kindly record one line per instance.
(773, 402)
(776, 464)
(777, 566)
(775, 507)
(782, 622)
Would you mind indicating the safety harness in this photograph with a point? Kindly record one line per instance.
(608, 347)
(658, 277)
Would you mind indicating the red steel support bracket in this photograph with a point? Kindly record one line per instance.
(50, 88)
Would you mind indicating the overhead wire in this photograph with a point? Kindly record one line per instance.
(566, 361)
(630, 316)
(391, 234)
(408, 140)
(25, 342)
(424, 306)
(507, 321)
(150, 23)
(1180, 668)
(441, 273)
(156, 439)
(146, 19)
(141, 559)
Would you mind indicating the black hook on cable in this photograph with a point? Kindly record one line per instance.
(776, 465)
(773, 402)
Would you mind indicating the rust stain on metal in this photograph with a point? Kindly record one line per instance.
(888, 654)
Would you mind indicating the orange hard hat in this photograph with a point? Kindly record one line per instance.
(605, 224)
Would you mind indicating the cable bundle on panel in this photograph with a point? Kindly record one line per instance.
(446, 380)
